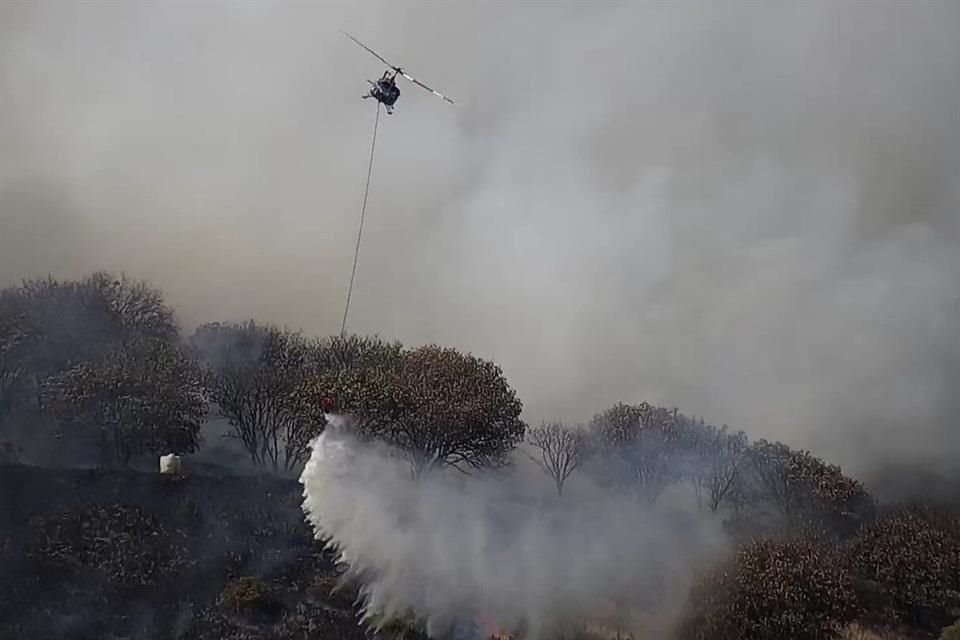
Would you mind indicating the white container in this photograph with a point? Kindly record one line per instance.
(170, 464)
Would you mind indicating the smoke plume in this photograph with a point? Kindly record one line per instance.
(455, 551)
(747, 210)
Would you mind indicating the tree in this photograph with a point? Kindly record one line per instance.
(638, 443)
(562, 450)
(719, 458)
(142, 397)
(137, 310)
(436, 406)
(771, 475)
(804, 489)
(78, 320)
(258, 379)
(47, 326)
(358, 372)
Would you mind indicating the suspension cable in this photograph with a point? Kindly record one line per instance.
(363, 211)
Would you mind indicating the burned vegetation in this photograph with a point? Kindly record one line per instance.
(97, 380)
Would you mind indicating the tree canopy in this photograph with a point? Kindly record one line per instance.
(638, 445)
(806, 490)
(47, 326)
(140, 397)
(257, 377)
(439, 407)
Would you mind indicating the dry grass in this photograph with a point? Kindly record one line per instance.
(858, 632)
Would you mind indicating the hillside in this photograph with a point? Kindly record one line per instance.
(101, 555)
(90, 554)
(95, 373)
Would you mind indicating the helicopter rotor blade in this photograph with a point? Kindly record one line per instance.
(399, 70)
(375, 54)
(436, 93)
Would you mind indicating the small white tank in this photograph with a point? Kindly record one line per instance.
(170, 464)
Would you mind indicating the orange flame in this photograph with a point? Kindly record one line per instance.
(490, 627)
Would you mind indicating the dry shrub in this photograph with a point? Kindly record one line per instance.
(247, 595)
(911, 560)
(952, 632)
(857, 631)
(9, 453)
(402, 627)
(330, 589)
(770, 591)
(123, 542)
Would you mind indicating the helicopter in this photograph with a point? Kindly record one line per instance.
(385, 90)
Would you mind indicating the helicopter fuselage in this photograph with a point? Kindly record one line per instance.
(385, 90)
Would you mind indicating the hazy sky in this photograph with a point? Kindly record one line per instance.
(748, 210)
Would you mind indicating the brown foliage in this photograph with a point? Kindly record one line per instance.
(911, 557)
(952, 632)
(246, 594)
(359, 375)
(771, 591)
(341, 353)
(807, 491)
(857, 631)
(436, 405)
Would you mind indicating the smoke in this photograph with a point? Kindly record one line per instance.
(746, 210)
(455, 551)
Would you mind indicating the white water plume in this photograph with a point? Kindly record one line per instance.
(451, 549)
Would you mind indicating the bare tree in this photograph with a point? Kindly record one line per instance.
(258, 381)
(562, 450)
(720, 457)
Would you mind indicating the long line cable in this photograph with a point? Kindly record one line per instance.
(363, 212)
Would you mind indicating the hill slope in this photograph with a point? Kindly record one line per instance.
(99, 555)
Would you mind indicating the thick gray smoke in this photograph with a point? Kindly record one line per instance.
(485, 551)
(747, 210)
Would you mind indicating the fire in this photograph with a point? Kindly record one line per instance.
(491, 628)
